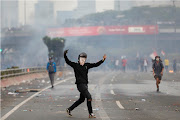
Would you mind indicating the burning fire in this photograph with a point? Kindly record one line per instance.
(171, 71)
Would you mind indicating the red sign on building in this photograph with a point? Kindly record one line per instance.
(102, 30)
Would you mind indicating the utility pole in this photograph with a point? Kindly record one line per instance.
(24, 12)
(174, 10)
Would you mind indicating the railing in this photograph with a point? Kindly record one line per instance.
(23, 71)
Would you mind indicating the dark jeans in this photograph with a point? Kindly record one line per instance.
(84, 93)
(51, 77)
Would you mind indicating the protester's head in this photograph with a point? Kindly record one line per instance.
(157, 58)
(50, 59)
(82, 58)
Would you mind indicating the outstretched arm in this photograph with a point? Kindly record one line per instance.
(67, 60)
(91, 65)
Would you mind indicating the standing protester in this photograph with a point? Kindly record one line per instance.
(124, 62)
(117, 64)
(145, 64)
(174, 65)
(142, 64)
(158, 69)
(81, 73)
(51, 68)
(166, 62)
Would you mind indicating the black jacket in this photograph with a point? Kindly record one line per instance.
(157, 67)
(81, 72)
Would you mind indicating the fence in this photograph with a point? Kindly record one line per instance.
(23, 71)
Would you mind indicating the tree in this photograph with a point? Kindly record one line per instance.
(55, 47)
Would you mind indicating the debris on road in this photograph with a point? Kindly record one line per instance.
(143, 100)
(11, 93)
(136, 108)
(43, 81)
(28, 90)
(96, 109)
(38, 95)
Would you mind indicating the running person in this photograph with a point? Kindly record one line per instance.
(158, 69)
(81, 73)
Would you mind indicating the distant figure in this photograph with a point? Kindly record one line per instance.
(158, 69)
(117, 64)
(81, 73)
(142, 64)
(166, 62)
(174, 65)
(137, 64)
(145, 64)
(124, 62)
(51, 68)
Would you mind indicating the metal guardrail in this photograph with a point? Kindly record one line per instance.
(23, 71)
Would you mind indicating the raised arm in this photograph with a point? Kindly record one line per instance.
(67, 60)
(91, 65)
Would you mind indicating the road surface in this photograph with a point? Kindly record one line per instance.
(116, 96)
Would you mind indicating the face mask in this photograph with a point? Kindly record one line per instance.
(82, 60)
(157, 59)
(50, 60)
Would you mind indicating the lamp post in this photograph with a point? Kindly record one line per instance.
(174, 10)
(24, 12)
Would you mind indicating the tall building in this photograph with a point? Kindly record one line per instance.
(121, 5)
(44, 13)
(62, 16)
(9, 13)
(85, 7)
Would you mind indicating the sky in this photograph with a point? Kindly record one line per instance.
(101, 5)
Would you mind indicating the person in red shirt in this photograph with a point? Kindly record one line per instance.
(124, 62)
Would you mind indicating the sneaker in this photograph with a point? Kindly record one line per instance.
(52, 87)
(92, 115)
(68, 112)
(157, 89)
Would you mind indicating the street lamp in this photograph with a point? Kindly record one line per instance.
(24, 12)
(174, 10)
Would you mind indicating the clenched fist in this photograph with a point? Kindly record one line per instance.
(66, 51)
(104, 57)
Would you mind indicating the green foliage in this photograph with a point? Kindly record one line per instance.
(55, 47)
(136, 16)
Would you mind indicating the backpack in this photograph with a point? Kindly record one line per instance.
(51, 68)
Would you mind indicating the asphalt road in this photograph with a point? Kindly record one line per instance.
(116, 96)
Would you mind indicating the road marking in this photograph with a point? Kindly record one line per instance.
(25, 101)
(112, 92)
(102, 113)
(119, 104)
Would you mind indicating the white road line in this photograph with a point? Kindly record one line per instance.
(25, 101)
(112, 92)
(119, 104)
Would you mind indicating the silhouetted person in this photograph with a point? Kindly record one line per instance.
(81, 73)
